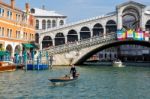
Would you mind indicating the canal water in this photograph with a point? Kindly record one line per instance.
(95, 82)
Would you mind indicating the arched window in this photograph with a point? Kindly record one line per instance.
(37, 24)
(61, 22)
(43, 24)
(48, 24)
(53, 23)
(37, 38)
(32, 10)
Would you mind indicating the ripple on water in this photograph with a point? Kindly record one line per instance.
(93, 83)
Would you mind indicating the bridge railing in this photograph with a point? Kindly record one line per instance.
(79, 44)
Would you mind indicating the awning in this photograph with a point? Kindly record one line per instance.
(2, 53)
(28, 46)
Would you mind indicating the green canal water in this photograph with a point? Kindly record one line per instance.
(95, 82)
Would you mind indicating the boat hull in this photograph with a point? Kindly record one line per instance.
(65, 79)
(4, 66)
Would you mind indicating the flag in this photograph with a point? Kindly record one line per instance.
(146, 34)
(130, 34)
(119, 35)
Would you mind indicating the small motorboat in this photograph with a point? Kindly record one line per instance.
(65, 79)
(117, 63)
(7, 66)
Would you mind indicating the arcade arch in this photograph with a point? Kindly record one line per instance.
(59, 39)
(47, 42)
(85, 33)
(147, 26)
(98, 30)
(111, 26)
(72, 36)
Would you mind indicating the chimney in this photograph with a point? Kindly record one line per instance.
(12, 3)
(27, 7)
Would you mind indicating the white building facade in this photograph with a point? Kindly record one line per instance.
(46, 20)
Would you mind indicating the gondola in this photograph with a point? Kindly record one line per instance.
(62, 80)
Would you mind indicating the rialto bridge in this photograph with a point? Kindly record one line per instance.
(73, 43)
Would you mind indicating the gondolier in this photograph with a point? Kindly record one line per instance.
(73, 71)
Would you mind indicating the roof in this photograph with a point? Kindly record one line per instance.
(147, 10)
(131, 2)
(42, 12)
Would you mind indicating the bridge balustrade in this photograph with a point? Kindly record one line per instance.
(76, 46)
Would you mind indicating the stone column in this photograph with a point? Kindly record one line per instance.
(104, 33)
(65, 39)
(53, 41)
(119, 19)
(91, 30)
(40, 24)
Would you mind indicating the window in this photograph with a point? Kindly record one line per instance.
(43, 24)
(1, 12)
(9, 14)
(53, 23)
(2, 31)
(17, 17)
(61, 22)
(37, 24)
(48, 24)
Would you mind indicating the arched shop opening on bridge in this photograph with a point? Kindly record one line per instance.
(72, 36)
(111, 27)
(98, 30)
(47, 42)
(59, 39)
(85, 33)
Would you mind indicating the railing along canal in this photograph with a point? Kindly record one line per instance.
(79, 44)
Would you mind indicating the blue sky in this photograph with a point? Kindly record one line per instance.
(77, 9)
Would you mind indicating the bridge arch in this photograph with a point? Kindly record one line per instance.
(147, 26)
(85, 33)
(59, 39)
(108, 45)
(98, 30)
(47, 42)
(111, 27)
(72, 36)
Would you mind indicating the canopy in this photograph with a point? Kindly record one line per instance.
(28, 46)
(2, 53)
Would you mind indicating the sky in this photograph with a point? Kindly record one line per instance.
(76, 10)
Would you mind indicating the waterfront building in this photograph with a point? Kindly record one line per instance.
(46, 20)
(16, 28)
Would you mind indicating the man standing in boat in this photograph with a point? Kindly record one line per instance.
(73, 71)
